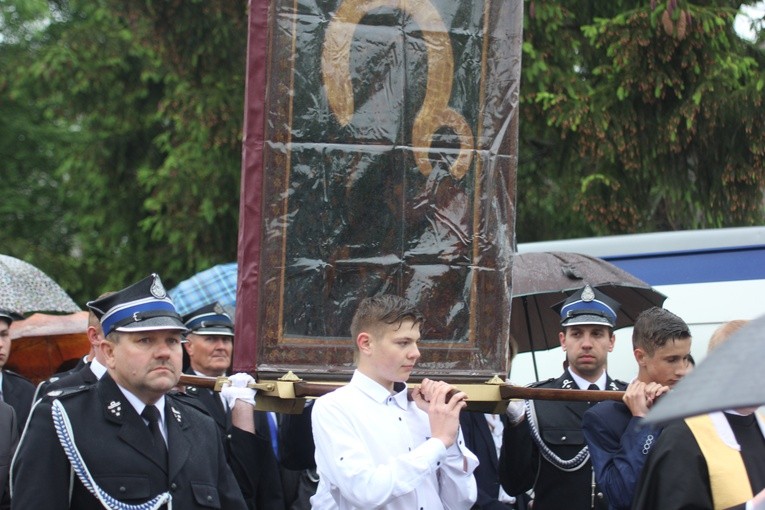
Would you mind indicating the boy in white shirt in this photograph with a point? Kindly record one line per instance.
(376, 449)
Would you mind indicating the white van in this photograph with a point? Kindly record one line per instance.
(709, 277)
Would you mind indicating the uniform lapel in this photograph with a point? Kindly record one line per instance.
(178, 444)
(132, 429)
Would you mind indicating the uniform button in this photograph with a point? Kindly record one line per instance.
(123, 489)
(563, 438)
(173, 486)
(600, 495)
(209, 498)
(438, 463)
(399, 418)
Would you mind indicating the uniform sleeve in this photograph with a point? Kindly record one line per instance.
(518, 459)
(40, 471)
(617, 456)
(675, 474)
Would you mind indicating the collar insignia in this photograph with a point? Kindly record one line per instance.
(176, 414)
(567, 384)
(115, 407)
(613, 386)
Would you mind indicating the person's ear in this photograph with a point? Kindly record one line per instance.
(562, 339)
(107, 349)
(364, 343)
(640, 356)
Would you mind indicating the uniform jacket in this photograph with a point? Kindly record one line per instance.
(9, 438)
(116, 445)
(18, 391)
(78, 376)
(619, 445)
(251, 457)
(522, 467)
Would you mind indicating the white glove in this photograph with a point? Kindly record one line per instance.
(236, 389)
(516, 411)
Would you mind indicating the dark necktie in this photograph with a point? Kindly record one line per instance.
(151, 414)
(593, 386)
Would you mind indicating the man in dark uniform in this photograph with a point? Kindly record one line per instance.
(543, 447)
(617, 441)
(124, 439)
(15, 389)
(92, 368)
(209, 346)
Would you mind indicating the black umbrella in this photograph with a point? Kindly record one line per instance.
(543, 279)
(730, 377)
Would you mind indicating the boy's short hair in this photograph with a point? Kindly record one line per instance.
(655, 327)
(384, 309)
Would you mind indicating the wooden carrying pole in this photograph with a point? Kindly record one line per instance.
(289, 393)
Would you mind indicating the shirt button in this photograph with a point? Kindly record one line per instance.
(399, 418)
(438, 463)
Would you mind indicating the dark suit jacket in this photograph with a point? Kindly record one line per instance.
(479, 440)
(9, 438)
(250, 456)
(18, 391)
(522, 467)
(117, 448)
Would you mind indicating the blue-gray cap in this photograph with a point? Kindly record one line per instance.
(211, 319)
(588, 306)
(143, 306)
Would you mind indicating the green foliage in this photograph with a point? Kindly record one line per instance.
(120, 126)
(634, 120)
(124, 151)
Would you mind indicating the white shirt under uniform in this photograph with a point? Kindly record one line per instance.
(373, 450)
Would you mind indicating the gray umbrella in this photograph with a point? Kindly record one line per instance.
(25, 289)
(543, 279)
(730, 377)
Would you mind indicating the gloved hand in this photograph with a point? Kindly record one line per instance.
(236, 389)
(516, 411)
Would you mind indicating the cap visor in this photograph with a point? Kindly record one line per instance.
(212, 331)
(585, 320)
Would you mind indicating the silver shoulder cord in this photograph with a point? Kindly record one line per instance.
(569, 465)
(64, 432)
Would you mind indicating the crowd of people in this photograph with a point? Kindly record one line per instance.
(119, 432)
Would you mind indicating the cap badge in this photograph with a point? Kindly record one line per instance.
(157, 290)
(588, 294)
(115, 407)
(218, 309)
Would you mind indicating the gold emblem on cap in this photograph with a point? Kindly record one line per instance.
(157, 289)
(588, 294)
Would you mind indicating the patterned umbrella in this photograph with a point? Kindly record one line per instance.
(215, 284)
(25, 289)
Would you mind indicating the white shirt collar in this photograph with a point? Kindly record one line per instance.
(584, 383)
(378, 392)
(139, 406)
(98, 369)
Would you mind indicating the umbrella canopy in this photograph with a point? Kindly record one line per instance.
(729, 377)
(25, 289)
(42, 344)
(215, 284)
(544, 279)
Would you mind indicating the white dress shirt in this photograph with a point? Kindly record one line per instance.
(373, 450)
